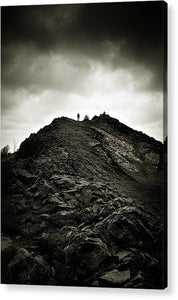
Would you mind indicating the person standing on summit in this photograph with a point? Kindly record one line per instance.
(78, 117)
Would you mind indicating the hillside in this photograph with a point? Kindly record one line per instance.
(83, 204)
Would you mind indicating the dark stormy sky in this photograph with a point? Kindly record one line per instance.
(59, 60)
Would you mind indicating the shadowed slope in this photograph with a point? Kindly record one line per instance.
(84, 203)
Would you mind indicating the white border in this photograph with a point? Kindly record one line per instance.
(45, 292)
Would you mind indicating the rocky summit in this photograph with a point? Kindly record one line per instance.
(83, 205)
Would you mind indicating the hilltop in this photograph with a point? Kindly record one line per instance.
(83, 204)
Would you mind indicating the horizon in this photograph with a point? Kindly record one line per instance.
(17, 146)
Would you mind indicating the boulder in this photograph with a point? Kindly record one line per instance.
(40, 261)
(24, 269)
(131, 226)
(115, 278)
(80, 259)
(21, 255)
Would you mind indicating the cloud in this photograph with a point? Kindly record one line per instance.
(137, 28)
(120, 93)
(36, 72)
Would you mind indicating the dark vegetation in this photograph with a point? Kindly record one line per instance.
(5, 151)
(83, 204)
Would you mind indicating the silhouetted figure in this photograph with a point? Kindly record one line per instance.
(78, 117)
(86, 118)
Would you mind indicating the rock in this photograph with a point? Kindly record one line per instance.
(15, 272)
(22, 254)
(153, 158)
(42, 263)
(45, 216)
(25, 176)
(131, 226)
(6, 242)
(114, 278)
(23, 268)
(122, 254)
(91, 253)
(95, 283)
(80, 258)
(85, 195)
(64, 182)
(138, 278)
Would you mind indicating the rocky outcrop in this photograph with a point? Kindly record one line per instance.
(82, 205)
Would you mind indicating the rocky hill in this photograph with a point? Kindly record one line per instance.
(83, 205)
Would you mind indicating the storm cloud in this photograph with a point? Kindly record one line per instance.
(88, 58)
